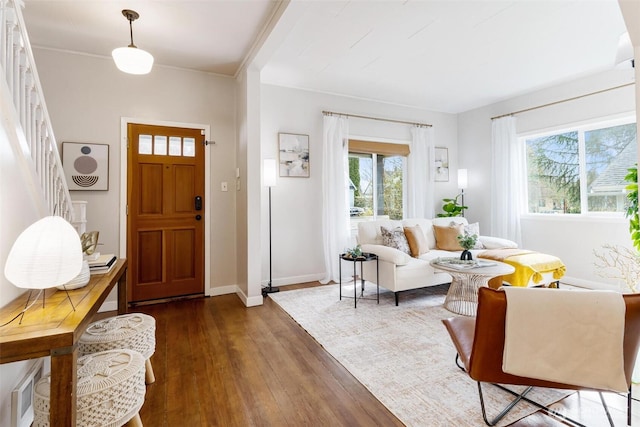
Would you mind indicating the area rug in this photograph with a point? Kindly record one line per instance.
(403, 354)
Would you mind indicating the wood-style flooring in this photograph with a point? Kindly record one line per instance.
(218, 363)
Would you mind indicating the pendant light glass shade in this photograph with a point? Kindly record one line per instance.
(45, 255)
(132, 60)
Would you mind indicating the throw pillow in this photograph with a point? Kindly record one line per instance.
(395, 238)
(417, 241)
(474, 229)
(447, 237)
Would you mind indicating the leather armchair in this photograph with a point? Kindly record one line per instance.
(482, 358)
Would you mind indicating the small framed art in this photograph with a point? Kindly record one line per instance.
(441, 164)
(293, 152)
(86, 166)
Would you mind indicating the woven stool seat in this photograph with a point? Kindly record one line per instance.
(135, 331)
(110, 390)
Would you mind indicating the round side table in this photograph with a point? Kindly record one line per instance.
(365, 257)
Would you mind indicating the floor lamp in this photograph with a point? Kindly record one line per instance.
(269, 171)
(462, 184)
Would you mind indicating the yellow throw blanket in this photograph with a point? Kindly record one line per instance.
(566, 336)
(528, 264)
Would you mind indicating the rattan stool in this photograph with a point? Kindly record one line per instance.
(110, 390)
(135, 331)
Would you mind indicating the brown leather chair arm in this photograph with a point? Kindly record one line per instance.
(461, 330)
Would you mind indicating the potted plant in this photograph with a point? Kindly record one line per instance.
(451, 207)
(467, 241)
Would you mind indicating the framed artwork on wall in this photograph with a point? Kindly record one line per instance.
(441, 164)
(86, 166)
(293, 153)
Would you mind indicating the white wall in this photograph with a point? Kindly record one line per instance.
(571, 239)
(296, 202)
(87, 96)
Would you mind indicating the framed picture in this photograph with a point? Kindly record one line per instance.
(293, 155)
(86, 166)
(441, 164)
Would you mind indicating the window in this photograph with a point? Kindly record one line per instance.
(376, 180)
(580, 170)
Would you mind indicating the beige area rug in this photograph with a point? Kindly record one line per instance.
(403, 354)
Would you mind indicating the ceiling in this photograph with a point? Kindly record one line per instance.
(449, 56)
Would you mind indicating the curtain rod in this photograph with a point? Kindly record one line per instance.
(331, 113)
(561, 101)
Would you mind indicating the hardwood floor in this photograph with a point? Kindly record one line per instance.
(218, 363)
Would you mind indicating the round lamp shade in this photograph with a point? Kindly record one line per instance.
(132, 60)
(47, 254)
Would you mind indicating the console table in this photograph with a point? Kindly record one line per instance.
(55, 330)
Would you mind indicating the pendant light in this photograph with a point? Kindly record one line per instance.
(130, 59)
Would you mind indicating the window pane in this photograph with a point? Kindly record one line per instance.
(160, 145)
(390, 186)
(360, 185)
(175, 146)
(144, 144)
(609, 153)
(553, 174)
(189, 147)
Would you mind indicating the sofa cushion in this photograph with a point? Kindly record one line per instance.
(418, 244)
(427, 229)
(395, 238)
(369, 231)
(447, 236)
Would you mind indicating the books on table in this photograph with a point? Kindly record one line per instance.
(102, 264)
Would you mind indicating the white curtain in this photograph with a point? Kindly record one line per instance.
(335, 193)
(420, 174)
(508, 186)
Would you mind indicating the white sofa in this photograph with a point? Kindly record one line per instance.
(399, 271)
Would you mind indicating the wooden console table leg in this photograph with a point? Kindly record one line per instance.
(64, 380)
(123, 303)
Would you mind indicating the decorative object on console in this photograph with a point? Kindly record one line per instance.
(46, 254)
(130, 59)
(103, 264)
(462, 185)
(269, 180)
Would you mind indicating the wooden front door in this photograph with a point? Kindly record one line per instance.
(165, 205)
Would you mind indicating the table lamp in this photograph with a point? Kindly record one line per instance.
(45, 255)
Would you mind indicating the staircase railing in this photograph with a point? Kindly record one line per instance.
(35, 138)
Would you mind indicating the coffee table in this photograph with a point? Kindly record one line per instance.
(462, 297)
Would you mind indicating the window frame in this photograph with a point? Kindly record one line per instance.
(581, 128)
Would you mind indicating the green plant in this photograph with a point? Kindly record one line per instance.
(452, 208)
(467, 241)
(354, 252)
(632, 206)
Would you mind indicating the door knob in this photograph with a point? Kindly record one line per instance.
(198, 217)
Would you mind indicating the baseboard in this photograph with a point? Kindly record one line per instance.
(294, 280)
(588, 284)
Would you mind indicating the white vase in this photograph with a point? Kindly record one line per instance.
(80, 280)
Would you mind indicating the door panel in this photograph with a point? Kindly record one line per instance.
(165, 234)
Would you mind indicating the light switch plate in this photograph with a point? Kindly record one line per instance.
(223, 186)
